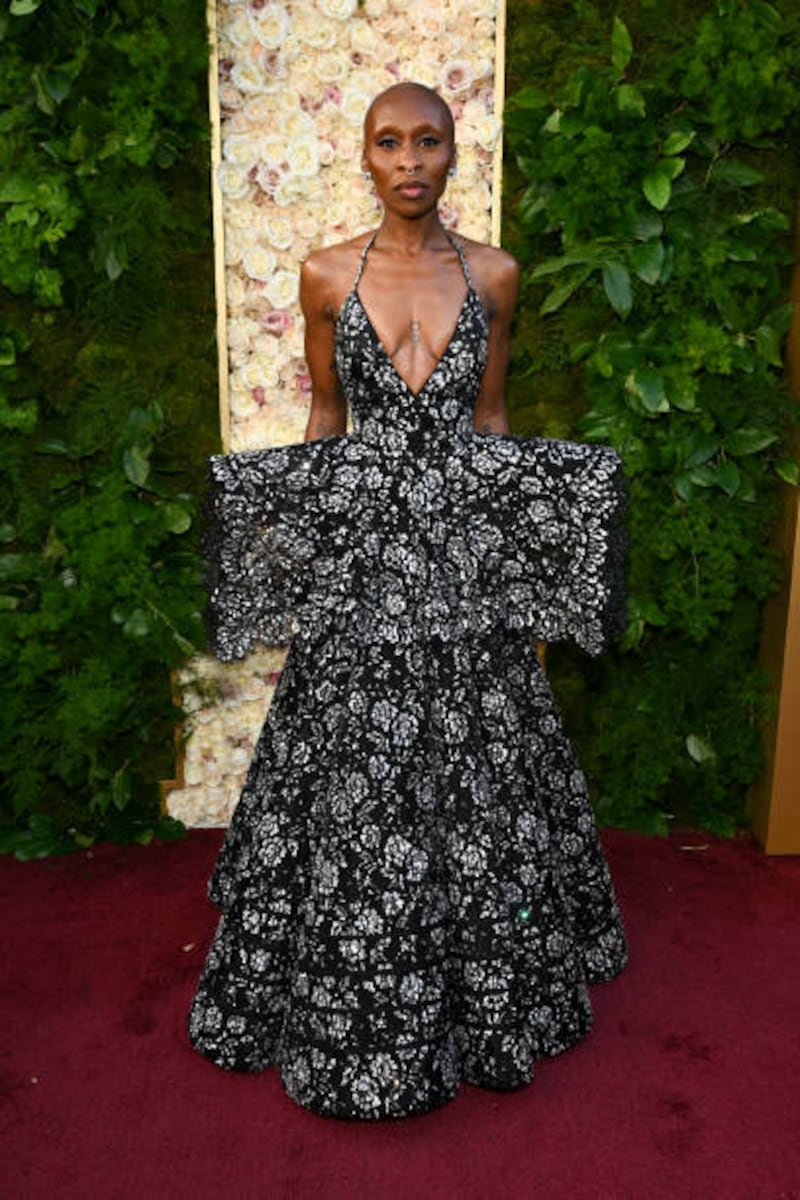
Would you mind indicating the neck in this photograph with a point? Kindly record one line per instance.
(410, 238)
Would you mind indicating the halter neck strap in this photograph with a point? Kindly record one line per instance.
(363, 260)
(462, 258)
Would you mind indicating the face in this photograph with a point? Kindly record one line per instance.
(408, 149)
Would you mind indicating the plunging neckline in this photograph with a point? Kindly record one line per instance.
(382, 349)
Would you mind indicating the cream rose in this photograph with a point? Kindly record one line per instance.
(332, 66)
(248, 77)
(302, 156)
(240, 148)
(233, 180)
(340, 10)
(270, 25)
(312, 29)
(281, 289)
(276, 231)
(363, 39)
(258, 261)
(235, 24)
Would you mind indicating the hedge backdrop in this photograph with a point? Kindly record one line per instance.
(650, 195)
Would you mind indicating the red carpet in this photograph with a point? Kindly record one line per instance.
(689, 1085)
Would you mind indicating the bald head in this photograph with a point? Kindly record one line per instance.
(399, 91)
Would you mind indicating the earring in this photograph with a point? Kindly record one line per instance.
(451, 171)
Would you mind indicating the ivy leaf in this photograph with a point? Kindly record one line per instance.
(703, 447)
(630, 100)
(737, 174)
(684, 487)
(704, 477)
(531, 97)
(700, 749)
(789, 470)
(771, 333)
(746, 441)
(563, 291)
(657, 188)
(729, 477)
(136, 465)
(621, 46)
(23, 8)
(676, 142)
(8, 352)
(648, 259)
(176, 518)
(648, 385)
(617, 284)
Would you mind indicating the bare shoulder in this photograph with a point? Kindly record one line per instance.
(495, 272)
(327, 274)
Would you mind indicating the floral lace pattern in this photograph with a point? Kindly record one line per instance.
(412, 888)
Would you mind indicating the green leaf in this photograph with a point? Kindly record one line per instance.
(630, 100)
(137, 625)
(648, 385)
(704, 477)
(8, 352)
(675, 142)
(23, 8)
(176, 518)
(700, 749)
(648, 259)
(746, 441)
(531, 97)
(560, 294)
(657, 188)
(736, 174)
(621, 46)
(729, 477)
(703, 447)
(617, 284)
(552, 266)
(136, 465)
(789, 470)
(684, 487)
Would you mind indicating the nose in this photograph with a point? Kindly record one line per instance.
(409, 159)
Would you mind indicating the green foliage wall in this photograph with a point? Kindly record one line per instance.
(107, 402)
(652, 188)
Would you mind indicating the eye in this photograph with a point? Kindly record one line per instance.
(429, 141)
(387, 142)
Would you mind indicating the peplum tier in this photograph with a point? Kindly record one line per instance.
(410, 537)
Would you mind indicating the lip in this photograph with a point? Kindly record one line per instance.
(412, 190)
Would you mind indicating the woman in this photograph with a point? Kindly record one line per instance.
(412, 889)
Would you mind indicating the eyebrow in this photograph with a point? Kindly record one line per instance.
(423, 127)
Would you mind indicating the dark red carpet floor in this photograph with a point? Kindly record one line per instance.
(688, 1086)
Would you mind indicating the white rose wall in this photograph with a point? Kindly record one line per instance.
(290, 85)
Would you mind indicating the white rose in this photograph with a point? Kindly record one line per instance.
(238, 214)
(241, 331)
(240, 148)
(259, 371)
(312, 29)
(276, 231)
(294, 123)
(303, 157)
(363, 39)
(487, 132)
(258, 261)
(235, 292)
(233, 180)
(340, 10)
(294, 188)
(271, 150)
(235, 25)
(270, 25)
(233, 246)
(332, 66)
(248, 77)
(355, 102)
(457, 76)
(260, 109)
(306, 224)
(281, 289)
(376, 8)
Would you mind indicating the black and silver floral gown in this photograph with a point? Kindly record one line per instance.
(412, 889)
